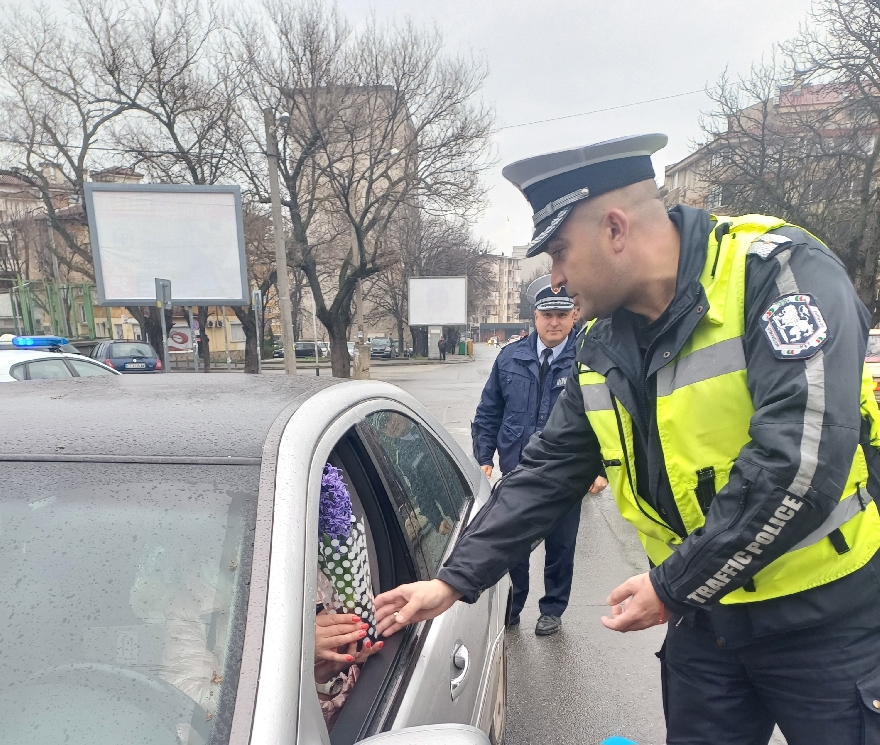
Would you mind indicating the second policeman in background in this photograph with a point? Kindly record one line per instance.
(527, 378)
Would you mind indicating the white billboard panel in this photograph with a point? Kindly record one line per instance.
(438, 301)
(192, 235)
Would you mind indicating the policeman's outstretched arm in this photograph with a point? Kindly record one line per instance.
(558, 466)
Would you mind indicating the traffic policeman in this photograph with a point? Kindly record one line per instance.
(526, 379)
(724, 389)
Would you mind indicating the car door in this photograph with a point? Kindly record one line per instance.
(424, 476)
(407, 483)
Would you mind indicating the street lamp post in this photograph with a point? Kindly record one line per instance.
(284, 304)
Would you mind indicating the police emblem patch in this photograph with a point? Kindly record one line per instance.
(795, 327)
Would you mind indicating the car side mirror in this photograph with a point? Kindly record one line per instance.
(431, 734)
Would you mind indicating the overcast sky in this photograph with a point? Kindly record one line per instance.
(551, 58)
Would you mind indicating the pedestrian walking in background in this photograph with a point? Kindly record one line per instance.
(724, 390)
(525, 382)
(441, 345)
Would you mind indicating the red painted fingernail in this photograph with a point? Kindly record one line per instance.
(368, 643)
(379, 645)
(349, 658)
(355, 619)
(364, 625)
(362, 633)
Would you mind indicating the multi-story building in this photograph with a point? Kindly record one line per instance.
(800, 122)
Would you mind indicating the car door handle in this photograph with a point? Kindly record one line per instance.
(461, 661)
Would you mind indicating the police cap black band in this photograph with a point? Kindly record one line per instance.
(554, 182)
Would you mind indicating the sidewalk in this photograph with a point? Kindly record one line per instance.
(308, 365)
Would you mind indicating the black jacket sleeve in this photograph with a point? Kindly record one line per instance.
(804, 431)
(557, 468)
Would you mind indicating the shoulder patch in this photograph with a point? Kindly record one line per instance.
(767, 244)
(794, 326)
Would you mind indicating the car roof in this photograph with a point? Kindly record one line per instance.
(10, 357)
(169, 417)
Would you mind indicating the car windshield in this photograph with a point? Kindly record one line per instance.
(379, 343)
(131, 349)
(873, 349)
(123, 596)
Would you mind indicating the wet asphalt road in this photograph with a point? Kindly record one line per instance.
(585, 684)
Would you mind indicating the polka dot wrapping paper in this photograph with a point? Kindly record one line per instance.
(342, 551)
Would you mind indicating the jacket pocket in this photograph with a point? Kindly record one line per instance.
(869, 695)
(516, 392)
(510, 433)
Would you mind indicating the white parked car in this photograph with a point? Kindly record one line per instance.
(42, 358)
(162, 577)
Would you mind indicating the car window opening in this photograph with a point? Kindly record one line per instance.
(393, 468)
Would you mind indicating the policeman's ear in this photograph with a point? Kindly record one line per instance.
(617, 226)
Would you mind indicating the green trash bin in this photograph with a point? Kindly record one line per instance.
(462, 347)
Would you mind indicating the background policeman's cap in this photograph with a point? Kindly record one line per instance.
(554, 182)
(541, 294)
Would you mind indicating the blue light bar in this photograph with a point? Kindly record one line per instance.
(29, 342)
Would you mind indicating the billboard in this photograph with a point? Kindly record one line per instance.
(438, 301)
(192, 235)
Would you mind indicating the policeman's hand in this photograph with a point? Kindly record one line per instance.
(598, 485)
(417, 601)
(635, 606)
(488, 471)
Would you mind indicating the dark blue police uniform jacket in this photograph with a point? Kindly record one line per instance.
(512, 408)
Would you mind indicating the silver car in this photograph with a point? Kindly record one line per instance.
(161, 574)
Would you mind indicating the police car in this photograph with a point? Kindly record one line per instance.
(44, 358)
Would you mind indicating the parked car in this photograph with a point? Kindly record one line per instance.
(128, 356)
(307, 349)
(152, 582)
(381, 348)
(38, 358)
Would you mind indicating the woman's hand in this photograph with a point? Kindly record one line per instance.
(337, 630)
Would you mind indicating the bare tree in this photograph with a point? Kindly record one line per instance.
(58, 103)
(179, 93)
(379, 122)
(427, 246)
(798, 137)
(55, 109)
(842, 45)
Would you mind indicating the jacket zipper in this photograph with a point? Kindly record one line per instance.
(629, 476)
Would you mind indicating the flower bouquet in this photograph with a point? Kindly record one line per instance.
(342, 551)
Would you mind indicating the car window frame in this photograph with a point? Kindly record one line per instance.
(69, 362)
(387, 700)
(50, 359)
(399, 490)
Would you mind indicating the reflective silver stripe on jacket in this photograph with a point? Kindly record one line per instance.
(597, 397)
(845, 511)
(709, 362)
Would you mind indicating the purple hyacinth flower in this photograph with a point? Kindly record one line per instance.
(334, 510)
